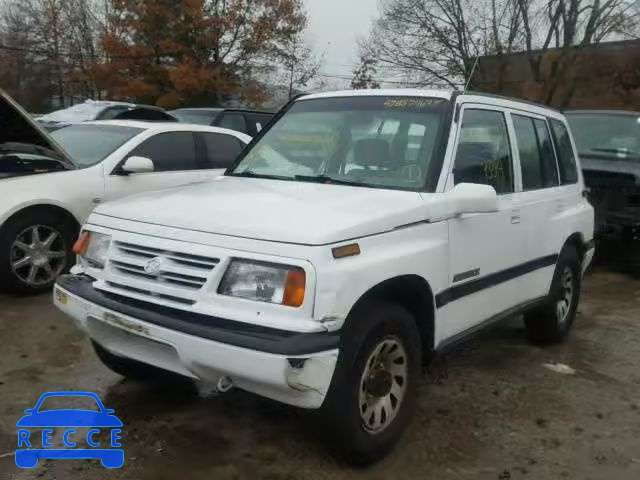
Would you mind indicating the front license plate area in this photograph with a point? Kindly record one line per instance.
(61, 296)
(128, 326)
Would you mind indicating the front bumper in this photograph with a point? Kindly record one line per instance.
(290, 367)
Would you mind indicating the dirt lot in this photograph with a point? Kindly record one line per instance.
(490, 410)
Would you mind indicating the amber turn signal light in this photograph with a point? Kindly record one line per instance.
(294, 288)
(346, 251)
(81, 244)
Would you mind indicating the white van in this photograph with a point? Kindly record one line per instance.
(358, 235)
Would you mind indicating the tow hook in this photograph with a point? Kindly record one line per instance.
(224, 384)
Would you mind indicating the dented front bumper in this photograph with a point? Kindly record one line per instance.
(290, 367)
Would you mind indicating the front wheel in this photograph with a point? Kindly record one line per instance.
(552, 322)
(35, 248)
(373, 393)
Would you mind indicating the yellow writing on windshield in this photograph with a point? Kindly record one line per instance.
(410, 102)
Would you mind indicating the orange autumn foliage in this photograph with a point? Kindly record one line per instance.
(187, 52)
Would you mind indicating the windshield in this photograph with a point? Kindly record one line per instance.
(199, 117)
(606, 136)
(90, 144)
(386, 142)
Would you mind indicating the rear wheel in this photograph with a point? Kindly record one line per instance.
(373, 392)
(552, 322)
(35, 248)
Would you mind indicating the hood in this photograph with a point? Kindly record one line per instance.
(274, 210)
(25, 148)
(626, 171)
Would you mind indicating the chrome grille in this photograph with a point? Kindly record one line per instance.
(186, 259)
(179, 278)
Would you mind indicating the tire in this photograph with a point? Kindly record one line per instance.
(22, 253)
(552, 322)
(133, 369)
(354, 436)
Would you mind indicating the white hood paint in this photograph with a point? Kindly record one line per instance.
(274, 210)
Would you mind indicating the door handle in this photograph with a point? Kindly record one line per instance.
(515, 217)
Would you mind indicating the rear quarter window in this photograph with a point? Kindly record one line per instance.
(566, 155)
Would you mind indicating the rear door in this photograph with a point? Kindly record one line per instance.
(540, 200)
(485, 250)
(175, 163)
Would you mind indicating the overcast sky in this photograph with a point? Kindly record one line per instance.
(334, 26)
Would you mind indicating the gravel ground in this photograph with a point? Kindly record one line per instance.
(488, 410)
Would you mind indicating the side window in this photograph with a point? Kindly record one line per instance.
(170, 151)
(262, 120)
(112, 112)
(233, 121)
(537, 159)
(484, 152)
(566, 157)
(220, 150)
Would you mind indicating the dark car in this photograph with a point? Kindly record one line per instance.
(238, 119)
(103, 110)
(608, 143)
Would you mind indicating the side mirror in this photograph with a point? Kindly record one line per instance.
(137, 165)
(472, 198)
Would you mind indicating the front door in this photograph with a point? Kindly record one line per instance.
(175, 161)
(485, 250)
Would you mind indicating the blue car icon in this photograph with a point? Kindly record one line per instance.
(67, 419)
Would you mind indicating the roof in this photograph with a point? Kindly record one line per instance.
(626, 113)
(221, 109)
(169, 127)
(107, 103)
(512, 99)
(444, 94)
(383, 92)
(198, 109)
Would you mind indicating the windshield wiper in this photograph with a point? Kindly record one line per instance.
(250, 174)
(619, 151)
(326, 179)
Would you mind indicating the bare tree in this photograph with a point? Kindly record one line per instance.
(364, 73)
(57, 39)
(301, 64)
(566, 25)
(436, 41)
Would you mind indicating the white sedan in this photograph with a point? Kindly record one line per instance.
(46, 196)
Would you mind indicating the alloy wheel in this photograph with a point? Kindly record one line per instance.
(563, 305)
(38, 255)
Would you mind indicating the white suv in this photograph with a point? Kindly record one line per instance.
(361, 233)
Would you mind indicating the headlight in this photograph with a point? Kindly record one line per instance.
(264, 282)
(92, 248)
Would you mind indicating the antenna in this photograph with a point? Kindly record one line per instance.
(473, 69)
